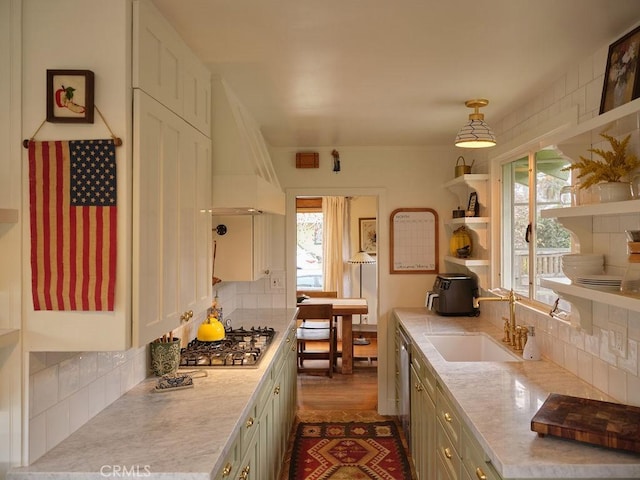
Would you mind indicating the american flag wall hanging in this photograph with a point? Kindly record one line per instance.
(72, 195)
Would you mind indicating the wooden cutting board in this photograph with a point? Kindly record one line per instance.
(607, 424)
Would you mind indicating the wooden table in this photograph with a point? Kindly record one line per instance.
(345, 308)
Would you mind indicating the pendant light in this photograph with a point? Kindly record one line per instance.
(476, 133)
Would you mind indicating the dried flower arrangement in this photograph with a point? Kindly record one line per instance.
(616, 165)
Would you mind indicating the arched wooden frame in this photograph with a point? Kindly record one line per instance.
(413, 241)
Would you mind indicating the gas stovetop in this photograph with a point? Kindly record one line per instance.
(240, 348)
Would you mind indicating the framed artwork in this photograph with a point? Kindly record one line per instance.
(70, 96)
(474, 206)
(621, 82)
(368, 235)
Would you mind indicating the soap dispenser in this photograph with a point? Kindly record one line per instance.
(531, 350)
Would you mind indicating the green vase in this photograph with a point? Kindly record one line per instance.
(165, 357)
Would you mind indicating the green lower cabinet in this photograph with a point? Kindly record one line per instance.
(260, 446)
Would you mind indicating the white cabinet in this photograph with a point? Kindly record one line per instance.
(478, 227)
(164, 177)
(170, 247)
(165, 68)
(423, 419)
(260, 445)
(243, 247)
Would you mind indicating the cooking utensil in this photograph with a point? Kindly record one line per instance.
(214, 280)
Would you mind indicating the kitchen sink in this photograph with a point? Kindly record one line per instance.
(475, 347)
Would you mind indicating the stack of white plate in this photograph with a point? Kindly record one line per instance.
(602, 282)
(579, 264)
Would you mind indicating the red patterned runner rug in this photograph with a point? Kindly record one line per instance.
(348, 451)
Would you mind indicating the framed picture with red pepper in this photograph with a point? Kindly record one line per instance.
(70, 96)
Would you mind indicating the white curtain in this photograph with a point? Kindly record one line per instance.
(335, 241)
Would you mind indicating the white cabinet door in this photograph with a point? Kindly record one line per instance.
(165, 68)
(243, 250)
(158, 54)
(170, 250)
(157, 137)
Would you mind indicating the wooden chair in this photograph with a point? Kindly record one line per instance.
(324, 294)
(317, 325)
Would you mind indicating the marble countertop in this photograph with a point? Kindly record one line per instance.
(498, 400)
(179, 434)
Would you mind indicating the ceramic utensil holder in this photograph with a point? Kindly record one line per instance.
(165, 357)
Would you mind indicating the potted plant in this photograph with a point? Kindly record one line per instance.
(608, 174)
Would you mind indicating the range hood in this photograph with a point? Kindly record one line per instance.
(244, 181)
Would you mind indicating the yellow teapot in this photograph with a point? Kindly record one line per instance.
(211, 330)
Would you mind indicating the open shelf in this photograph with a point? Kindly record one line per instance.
(610, 208)
(467, 262)
(610, 297)
(467, 221)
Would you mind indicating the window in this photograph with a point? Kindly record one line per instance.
(309, 221)
(533, 246)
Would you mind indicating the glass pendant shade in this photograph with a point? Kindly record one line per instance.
(476, 133)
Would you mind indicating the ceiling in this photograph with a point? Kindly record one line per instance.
(390, 72)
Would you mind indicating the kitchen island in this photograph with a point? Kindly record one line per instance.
(185, 434)
(497, 400)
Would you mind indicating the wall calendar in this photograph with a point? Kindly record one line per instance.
(414, 240)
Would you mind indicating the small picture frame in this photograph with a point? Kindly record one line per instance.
(70, 96)
(368, 235)
(474, 207)
(622, 76)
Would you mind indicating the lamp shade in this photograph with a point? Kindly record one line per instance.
(476, 133)
(362, 257)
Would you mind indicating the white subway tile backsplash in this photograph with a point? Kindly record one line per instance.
(37, 436)
(68, 377)
(57, 423)
(630, 362)
(633, 390)
(585, 71)
(112, 386)
(88, 367)
(601, 375)
(585, 366)
(78, 409)
(617, 384)
(105, 362)
(606, 354)
(65, 395)
(97, 396)
(45, 390)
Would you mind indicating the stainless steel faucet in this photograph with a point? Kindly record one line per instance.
(510, 329)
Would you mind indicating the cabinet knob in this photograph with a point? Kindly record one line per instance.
(447, 452)
(447, 417)
(480, 474)
(249, 422)
(277, 390)
(245, 473)
(226, 471)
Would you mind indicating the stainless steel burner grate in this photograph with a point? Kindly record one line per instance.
(240, 348)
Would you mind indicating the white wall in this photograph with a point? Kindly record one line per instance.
(400, 177)
(587, 356)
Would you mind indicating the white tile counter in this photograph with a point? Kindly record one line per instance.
(498, 400)
(182, 434)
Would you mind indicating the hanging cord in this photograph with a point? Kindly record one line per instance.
(117, 141)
